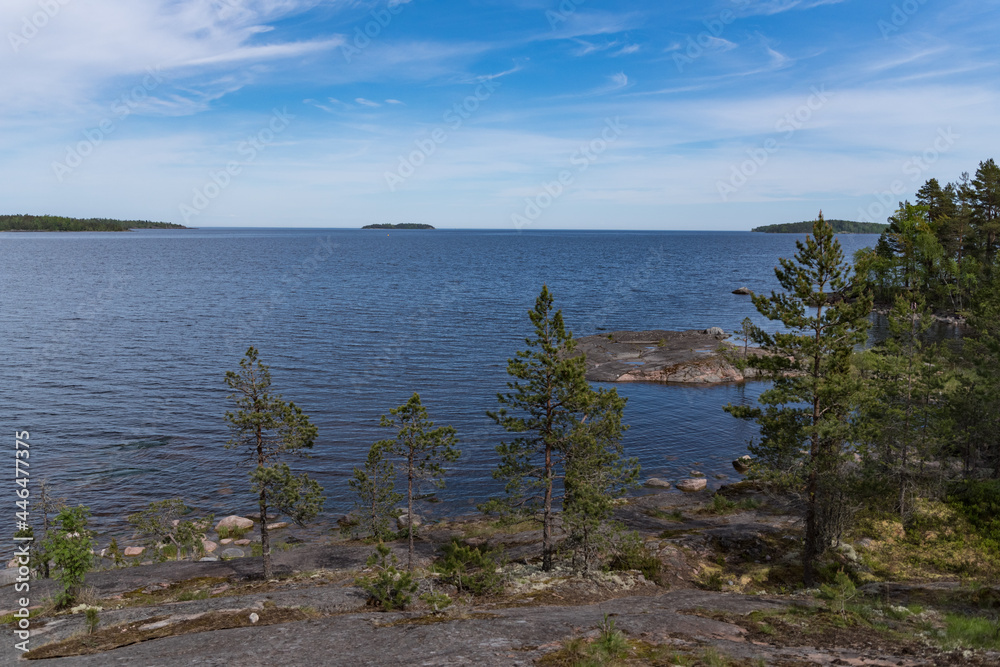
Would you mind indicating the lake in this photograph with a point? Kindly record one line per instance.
(115, 346)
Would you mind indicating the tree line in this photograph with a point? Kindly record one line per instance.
(853, 430)
(839, 227)
(55, 223)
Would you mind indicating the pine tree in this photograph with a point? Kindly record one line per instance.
(423, 449)
(265, 429)
(560, 422)
(375, 487)
(813, 387)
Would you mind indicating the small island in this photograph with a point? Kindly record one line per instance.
(839, 227)
(55, 223)
(400, 225)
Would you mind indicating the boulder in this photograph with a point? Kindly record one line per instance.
(234, 521)
(209, 546)
(402, 522)
(134, 551)
(697, 473)
(742, 464)
(241, 543)
(256, 516)
(277, 526)
(715, 331)
(233, 553)
(743, 290)
(225, 541)
(692, 485)
(657, 483)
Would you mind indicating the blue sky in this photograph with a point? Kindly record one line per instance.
(529, 114)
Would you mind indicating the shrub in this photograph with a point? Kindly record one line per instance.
(979, 502)
(390, 588)
(839, 593)
(69, 547)
(470, 568)
(438, 602)
(629, 553)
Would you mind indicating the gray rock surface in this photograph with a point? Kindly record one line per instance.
(658, 356)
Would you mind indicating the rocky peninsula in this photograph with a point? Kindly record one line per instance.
(693, 356)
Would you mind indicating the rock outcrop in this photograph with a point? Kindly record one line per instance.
(234, 521)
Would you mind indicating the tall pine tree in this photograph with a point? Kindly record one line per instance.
(805, 413)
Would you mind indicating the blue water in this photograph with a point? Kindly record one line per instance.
(115, 345)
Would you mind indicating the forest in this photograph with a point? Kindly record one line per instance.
(55, 223)
(839, 227)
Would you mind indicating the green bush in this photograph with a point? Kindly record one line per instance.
(69, 547)
(389, 588)
(979, 502)
(470, 569)
(630, 553)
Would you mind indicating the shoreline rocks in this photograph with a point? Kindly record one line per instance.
(657, 483)
(234, 521)
(693, 356)
(692, 485)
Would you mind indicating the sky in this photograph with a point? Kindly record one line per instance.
(499, 114)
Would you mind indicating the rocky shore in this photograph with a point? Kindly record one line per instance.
(693, 356)
(715, 599)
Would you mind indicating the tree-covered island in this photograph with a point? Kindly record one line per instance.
(56, 223)
(400, 225)
(839, 227)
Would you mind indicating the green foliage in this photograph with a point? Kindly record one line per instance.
(723, 505)
(156, 522)
(69, 547)
(374, 486)
(438, 602)
(839, 593)
(839, 227)
(116, 553)
(610, 644)
(628, 552)
(93, 620)
(974, 632)
(233, 532)
(470, 569)
(979, 502)
(423, 449)
(389, 588)
(264, 429)
(55, 223)
(803, 419)
(567, 437)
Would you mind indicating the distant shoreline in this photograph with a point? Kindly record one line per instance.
(401, 225)
(55, 223)
(839, 227)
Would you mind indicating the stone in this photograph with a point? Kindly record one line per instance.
(719, 475)
(743, 290)
(234, 521)
(256, 516)
(277, 526)
(209, 546)
(254, 617)
(401, 521)
(657, 483)
(225, 541)
(12, 563)
(697, 473)
(715, 331)
(233, 553)
(208, 559)
(134, 551)
(692, 485)
(241, 543)
(742, 464)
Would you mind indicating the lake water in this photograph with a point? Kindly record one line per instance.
(115, 345)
